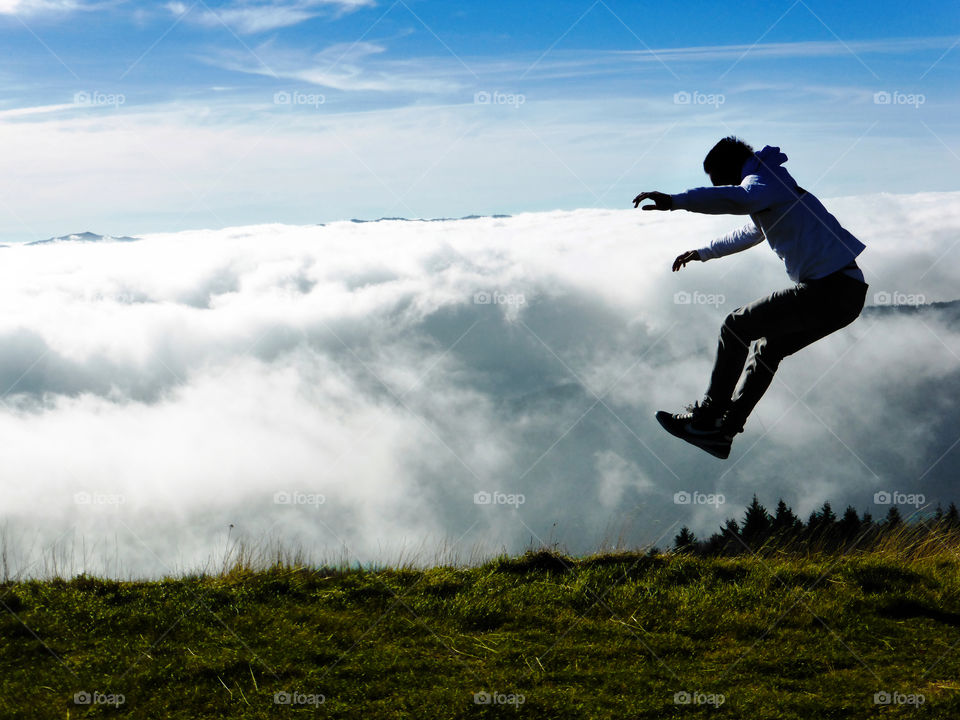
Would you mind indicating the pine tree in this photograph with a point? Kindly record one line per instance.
(893, 518)
(731, 535)
(826, 515)
(716, 544)
(685, 541)
(849, 526)
(756, 523)
(726, 541)
(821, 526)
(785, 523)
(869, 530)
(829, 526)
(952, 517)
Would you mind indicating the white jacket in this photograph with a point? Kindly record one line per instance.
(809, 240)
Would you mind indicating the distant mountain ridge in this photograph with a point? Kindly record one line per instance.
(84, 237)
(439, 219)
(952, 306)
(88, 236)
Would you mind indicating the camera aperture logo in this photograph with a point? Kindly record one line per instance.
(499, 498)
(898, 698)
(498, 698)
(884, 97)
(897, 298)
(296, 98)
(698, 498)
(295, 497)
(683, 697)
(685, 97)
(498, 298)
(98, 498)
(895, 497)
(514, 100)
(286, 697)
(682, 297)
(85, 697)
(95, 98)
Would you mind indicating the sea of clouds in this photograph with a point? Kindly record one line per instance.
(445, 390)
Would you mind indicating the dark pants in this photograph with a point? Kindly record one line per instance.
(780, 324)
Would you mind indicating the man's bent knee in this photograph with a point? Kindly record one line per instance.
(733, 319)
(733, 326)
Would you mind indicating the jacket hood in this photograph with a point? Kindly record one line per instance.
(770, 157)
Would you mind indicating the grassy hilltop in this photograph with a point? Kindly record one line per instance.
(774, 634)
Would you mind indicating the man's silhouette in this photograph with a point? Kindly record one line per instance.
(819, 254)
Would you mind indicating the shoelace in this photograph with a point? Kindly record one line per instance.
(693, 409)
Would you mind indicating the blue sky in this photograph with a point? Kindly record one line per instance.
(129, 117)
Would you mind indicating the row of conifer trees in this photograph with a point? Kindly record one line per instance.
(761, 530)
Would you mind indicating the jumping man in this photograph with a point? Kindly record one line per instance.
(819, 254)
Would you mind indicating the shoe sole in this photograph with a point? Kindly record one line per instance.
(663, 417)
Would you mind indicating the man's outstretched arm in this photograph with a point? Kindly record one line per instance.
(751, 196)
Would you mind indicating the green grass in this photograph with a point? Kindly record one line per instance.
(608, 636)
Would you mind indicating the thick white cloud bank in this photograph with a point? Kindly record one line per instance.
(349, 389)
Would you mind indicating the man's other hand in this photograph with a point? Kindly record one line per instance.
(683, 259)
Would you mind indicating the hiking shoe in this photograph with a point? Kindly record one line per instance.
(700, 425)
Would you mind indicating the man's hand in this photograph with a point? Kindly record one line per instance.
(662, 200)
(683, 259)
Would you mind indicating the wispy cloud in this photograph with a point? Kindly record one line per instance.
(799, 49)
(348, 66)
(36, 110)
(36, 7)
(369, 65)
(248, 18)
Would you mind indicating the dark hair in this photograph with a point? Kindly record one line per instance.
(727, 156)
